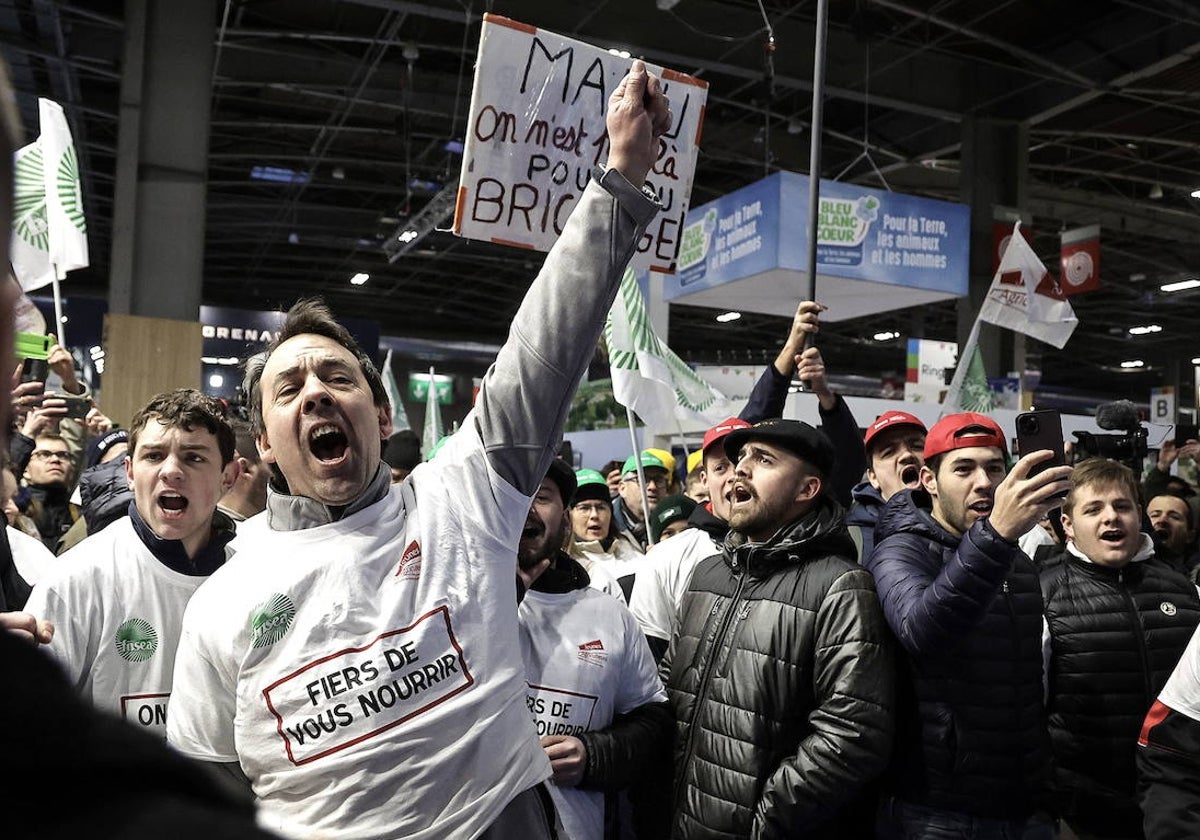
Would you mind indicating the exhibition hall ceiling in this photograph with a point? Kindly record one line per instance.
(365, 100)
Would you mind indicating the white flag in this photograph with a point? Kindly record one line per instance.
(1024, 297)
(647, 376)
(399, 415)
(64, 199)
(433, 420)
(30, 242)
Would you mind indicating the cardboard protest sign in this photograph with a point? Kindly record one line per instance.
(537, 128)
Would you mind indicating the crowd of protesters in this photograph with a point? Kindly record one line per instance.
(299, 625)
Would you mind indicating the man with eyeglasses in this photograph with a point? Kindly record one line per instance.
(48, 478)
(629, 514)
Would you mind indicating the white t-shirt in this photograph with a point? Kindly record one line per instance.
(664, 578)
(30, 555)
(1182, 691)
(586, 660)
(117, 613)
(367, 673)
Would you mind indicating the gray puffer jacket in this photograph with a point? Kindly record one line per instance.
(781, 678)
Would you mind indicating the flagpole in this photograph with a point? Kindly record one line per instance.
(814, 156)
(954, 393)
(814, 149)
(637, 459)
(60, 329)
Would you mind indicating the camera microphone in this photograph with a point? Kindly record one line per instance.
(1121, 415)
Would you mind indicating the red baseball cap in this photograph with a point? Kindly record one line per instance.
(888, 420)
(960, 431)
(717, 433)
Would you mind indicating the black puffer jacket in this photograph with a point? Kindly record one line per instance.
(781, 679)
(971, 731)
(1115, 637)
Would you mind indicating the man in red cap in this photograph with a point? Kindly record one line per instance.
(894, 445)
(965, 604)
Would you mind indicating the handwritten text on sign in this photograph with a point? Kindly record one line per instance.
(537, 128)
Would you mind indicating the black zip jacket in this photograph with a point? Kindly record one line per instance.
(781, 679)
(1115, 637)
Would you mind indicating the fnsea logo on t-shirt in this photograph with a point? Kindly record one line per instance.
(136, 640)
(271, 620)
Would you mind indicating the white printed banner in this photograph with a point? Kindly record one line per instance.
(358, 693)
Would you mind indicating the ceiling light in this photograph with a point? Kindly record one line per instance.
(1133, 363)
(618, 53)
(726, 317)
(359, 279)
(216, 380)
(1179, 286)
(1156, 191)
(439, 208)
(1146, 330)
(885, 336)
(1195, 193)
(1196, 361)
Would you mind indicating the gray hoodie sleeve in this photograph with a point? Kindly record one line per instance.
(526, 393)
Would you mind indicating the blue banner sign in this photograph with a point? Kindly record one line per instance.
(862, 234)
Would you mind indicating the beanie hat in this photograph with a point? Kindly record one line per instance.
(100, 446)
(668, 510)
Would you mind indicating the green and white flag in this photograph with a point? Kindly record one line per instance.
(433, 420)
(399, 415)
(976, 394)
(64, 198)
(49, 231)
(647, 376)
(30, 243)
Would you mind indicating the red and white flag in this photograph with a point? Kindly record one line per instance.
(1025, 297)
(1080, 260)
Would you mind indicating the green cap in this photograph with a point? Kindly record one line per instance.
(589, 484)
(649, 459)
(434, 449)
(583, 477)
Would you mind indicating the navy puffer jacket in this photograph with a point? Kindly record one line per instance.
(971, 730)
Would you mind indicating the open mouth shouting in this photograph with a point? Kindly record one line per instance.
(532, 531)
(171, 505)
(739, 494)
(980, 508)
(328, 443)
(1112, 536)
(910, 476)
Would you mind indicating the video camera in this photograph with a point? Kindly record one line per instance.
(1129, 448)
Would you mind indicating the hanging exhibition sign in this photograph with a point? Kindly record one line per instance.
(876, 251)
